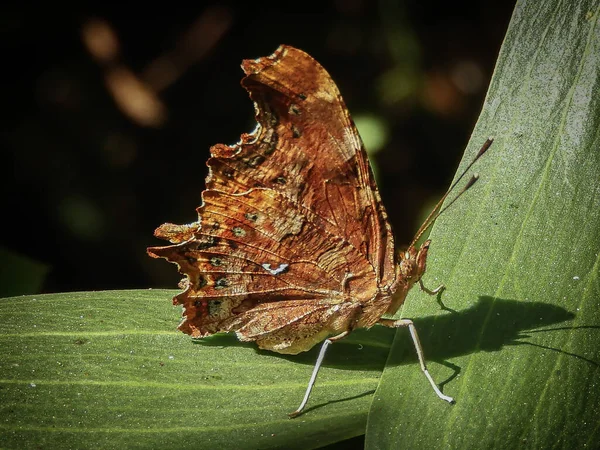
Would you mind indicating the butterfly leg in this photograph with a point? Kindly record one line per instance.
(440, 288)
(313, 377)
(352, 318)
(415, 338)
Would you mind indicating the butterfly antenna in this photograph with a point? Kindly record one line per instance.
(437, 210)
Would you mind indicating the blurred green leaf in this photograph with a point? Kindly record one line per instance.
(519, 255)
(19, 274)
(109, 370)
(374, 131)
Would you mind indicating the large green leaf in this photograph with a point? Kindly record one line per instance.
(109, 370)
(518, 253)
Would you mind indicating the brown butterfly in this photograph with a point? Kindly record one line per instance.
(292, 245)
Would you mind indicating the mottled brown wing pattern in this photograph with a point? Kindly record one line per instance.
(292, 242)
(307, 147)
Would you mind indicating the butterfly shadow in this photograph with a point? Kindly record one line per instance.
(488, 325)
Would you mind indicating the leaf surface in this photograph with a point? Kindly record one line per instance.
(109, 370)
(519, 346)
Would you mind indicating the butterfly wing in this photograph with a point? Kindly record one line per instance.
(320, 163)
(291, 225)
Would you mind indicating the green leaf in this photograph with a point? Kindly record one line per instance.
(110, 370)
(519, 346)
(20, 274)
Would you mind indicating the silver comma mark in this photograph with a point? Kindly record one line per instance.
(276, 271)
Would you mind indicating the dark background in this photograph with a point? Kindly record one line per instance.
(110, 113)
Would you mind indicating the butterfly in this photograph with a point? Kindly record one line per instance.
(292, 246)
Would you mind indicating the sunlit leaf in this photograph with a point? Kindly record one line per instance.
(109, 370)
(519, 345)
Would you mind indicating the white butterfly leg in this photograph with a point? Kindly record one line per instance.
(415, 338)
(440, 288)
(315, 372)
(352, 313)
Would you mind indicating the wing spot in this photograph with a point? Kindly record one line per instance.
(214, 307)
(216, 262)
(294, 110)
(252, 216)
(280, 180)
(221, 283)
(239, 232)
(296, 131)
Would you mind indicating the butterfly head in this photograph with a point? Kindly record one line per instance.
(409, 270)
(411, 264)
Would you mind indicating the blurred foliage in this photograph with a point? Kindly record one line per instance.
(20, 274)
(111, 113)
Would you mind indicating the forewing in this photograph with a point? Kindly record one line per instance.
(307, 148)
